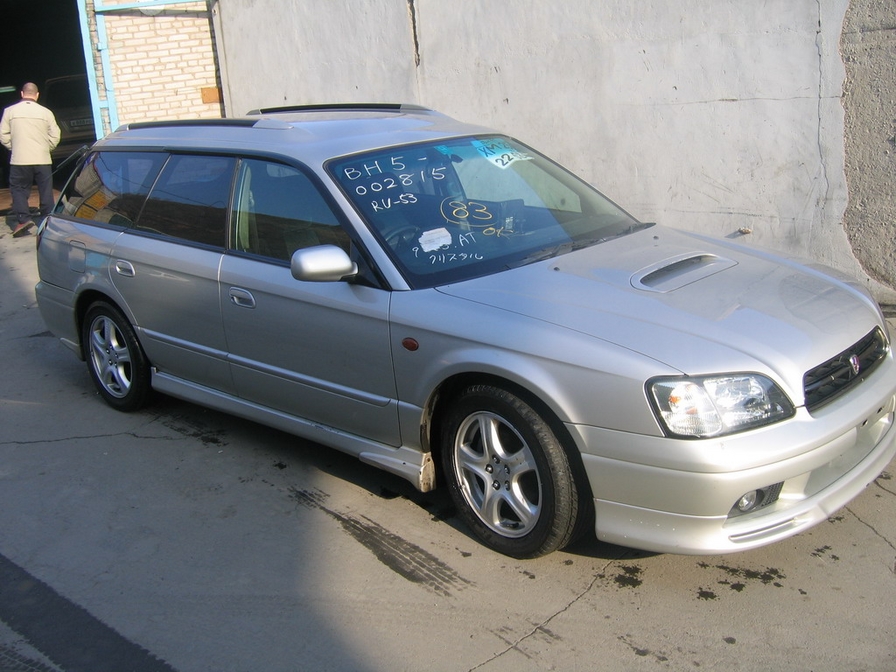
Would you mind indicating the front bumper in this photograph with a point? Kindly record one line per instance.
(829, 458)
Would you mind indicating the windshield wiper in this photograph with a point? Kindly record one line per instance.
(544, 253)
(573, 245)
(637, 226)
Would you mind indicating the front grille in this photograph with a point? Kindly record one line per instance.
(843, 372)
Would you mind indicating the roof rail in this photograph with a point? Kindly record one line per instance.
(378, 107)
(174, 123)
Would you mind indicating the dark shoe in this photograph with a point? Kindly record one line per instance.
(22, 229)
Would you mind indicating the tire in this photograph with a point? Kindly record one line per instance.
(117, 363)
(508, 473)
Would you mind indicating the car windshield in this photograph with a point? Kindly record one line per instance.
(467, 207)
(65, 93)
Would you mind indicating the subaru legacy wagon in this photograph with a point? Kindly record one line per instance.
(448, 304)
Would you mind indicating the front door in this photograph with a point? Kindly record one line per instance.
(318, 351)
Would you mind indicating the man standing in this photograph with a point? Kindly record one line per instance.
(30, 132)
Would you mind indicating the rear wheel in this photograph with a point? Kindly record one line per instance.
(116, 361)
(508, 473)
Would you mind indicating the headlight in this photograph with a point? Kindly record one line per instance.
(717, 405)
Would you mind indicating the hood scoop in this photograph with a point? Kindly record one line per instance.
(678, 271)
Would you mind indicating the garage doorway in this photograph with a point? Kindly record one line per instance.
(42, 42)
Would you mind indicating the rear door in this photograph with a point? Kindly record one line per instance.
(166, 267)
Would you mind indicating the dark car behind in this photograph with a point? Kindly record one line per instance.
(69, 99)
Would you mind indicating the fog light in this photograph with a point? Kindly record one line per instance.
(749, 500)
(754, 500)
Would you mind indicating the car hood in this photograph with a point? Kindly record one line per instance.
(691, 303)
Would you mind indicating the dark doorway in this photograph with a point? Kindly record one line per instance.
(41, 41)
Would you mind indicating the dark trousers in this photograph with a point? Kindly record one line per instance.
(20, 180)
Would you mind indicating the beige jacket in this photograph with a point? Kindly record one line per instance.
(30, 131)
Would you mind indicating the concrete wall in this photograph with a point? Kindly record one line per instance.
(723, 117)
(288, 52)
(868, 45)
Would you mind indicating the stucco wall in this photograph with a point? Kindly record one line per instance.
(722, 117)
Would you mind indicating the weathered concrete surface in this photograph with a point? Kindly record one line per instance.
(182, 539)
(716, 117)
(869, 98)
(274, 54)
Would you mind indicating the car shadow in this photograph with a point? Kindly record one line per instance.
(283, 449)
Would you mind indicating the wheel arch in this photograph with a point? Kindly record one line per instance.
(449, 390)
(439, 415)
(82, 304)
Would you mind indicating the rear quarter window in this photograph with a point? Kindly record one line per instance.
(111, 187)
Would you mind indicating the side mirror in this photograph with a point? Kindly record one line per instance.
(323, 263)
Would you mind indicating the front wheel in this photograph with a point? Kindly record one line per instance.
(508, 473)
(116, 361)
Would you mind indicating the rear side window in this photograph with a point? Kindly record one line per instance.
(111, 187)
(190, 199)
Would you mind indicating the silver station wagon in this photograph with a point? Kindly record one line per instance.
(448, 304)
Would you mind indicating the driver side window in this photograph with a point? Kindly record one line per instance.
(277, 210)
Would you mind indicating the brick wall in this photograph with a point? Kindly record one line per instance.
(162, 62)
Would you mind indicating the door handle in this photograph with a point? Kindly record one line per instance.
(124, 268)
(242, 298)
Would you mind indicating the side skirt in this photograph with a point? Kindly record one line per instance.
(412, 465)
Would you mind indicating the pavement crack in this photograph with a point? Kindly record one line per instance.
(884, 477)
(872, 528)
(542, 626)
(87, 437)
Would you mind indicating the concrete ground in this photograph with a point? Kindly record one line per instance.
(178, 538)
